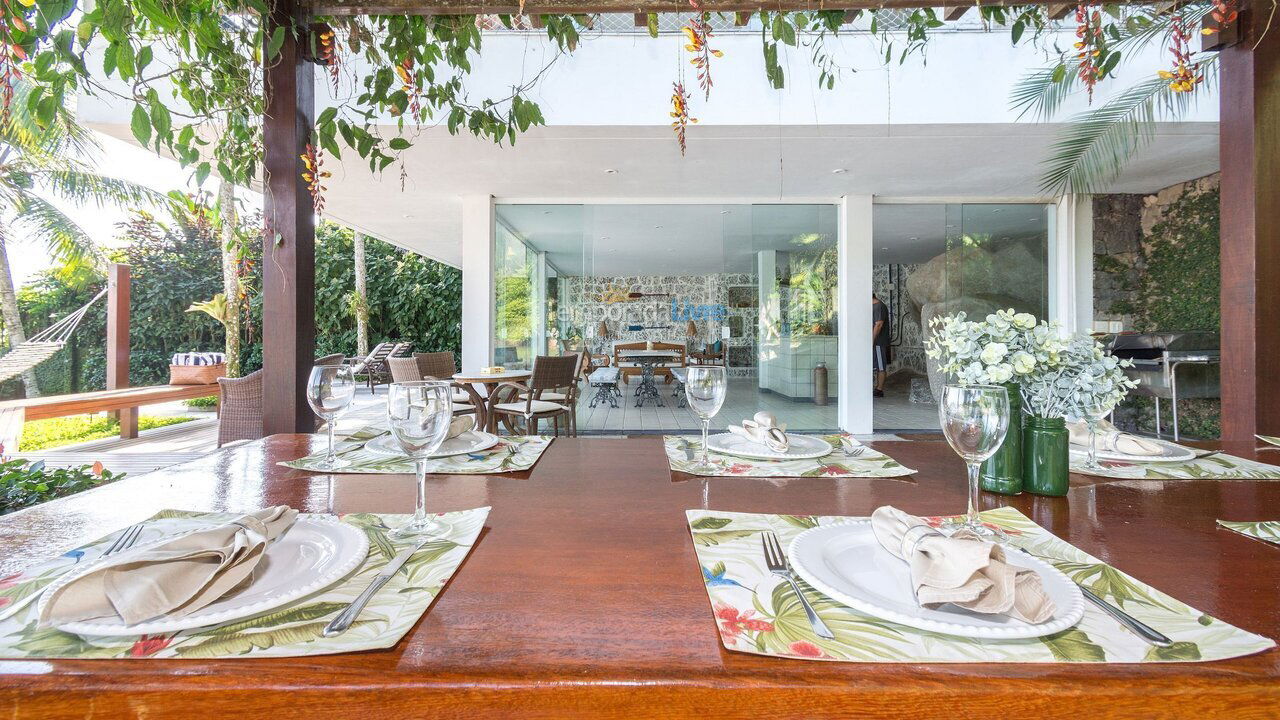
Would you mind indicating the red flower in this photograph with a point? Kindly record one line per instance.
(5, 601)
(832, 470)
(738, 468)
(1115, 464)
(150, 645)
(733, 623)
(804, 648)
(9, 581)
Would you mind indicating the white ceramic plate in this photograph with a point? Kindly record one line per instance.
(315, 553)
(1169, 452)
(471, 441)
(803, 447)
(846, 563)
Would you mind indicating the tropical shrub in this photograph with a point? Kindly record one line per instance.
(56, 432)
(24, 483)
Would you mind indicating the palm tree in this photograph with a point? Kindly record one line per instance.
(1094, 146)
(361, 298)
(36, 159)
(231, 288)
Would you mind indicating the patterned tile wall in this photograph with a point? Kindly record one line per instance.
(908, 338)
(581, 306)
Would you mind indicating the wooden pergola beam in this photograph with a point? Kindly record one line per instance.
(952, 13)
(632, 7)
(1057, 11)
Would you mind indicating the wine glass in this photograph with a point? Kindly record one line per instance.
(1094, 410)
(330, 389)
(975, 419)
(705, 387)
(419, 414)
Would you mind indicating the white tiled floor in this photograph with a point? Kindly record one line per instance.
(743, 400)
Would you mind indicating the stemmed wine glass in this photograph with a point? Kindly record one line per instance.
(1093, 414)
(705, 387)
(419, 414)
(975, 419)
(330, 389)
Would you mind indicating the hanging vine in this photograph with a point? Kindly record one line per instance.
(697, 32)
(1185, 74)
(680, 113)
(314, 175)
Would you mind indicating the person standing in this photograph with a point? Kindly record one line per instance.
(879, 343)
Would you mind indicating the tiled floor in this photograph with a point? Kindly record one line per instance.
(895, 411)
(743, 400)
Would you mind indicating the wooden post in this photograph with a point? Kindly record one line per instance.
(288, 265)
(118, 343)
(1249, 154)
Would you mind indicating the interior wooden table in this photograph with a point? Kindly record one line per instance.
(583, 598)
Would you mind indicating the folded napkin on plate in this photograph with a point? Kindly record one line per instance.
(765, 430)
(459, 425)
(176, 577)
(961, 569)
(1111, 439)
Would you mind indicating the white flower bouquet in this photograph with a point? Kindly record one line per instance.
(1058, 376)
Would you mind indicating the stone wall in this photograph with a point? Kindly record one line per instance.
(582, 304)
(1122, 231)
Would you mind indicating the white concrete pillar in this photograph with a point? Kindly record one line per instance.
(477, 282)
(1070, 260)
(854, 238)
(539, 303)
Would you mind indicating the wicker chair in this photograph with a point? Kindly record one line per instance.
(240, 408)
(553, 376)
(240, 404)
(411, 369)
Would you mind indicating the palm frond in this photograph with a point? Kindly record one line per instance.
(83, 186)
(1041, 93)
(43, 223)
(1095, 145)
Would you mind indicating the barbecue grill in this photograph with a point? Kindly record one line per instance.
(1170, 365)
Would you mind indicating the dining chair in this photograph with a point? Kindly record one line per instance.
(553, 376)
(413, 369)
(240, 404)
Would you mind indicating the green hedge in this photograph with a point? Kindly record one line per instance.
(177, 262)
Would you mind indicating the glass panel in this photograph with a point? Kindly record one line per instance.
(513, 301)
(685, 278)
(997, 258)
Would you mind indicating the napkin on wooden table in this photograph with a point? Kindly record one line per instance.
(459, 425)
(764, 429)
(1111, 439)
(176, 577)
(961, 569)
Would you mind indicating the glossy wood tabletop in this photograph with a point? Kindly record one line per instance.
(583, 597)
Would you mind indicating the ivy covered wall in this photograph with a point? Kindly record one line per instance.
(1156, 268)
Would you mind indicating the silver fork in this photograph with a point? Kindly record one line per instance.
(124, 541)
(776, 560)
(850, 450)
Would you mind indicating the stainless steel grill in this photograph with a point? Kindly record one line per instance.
(1170, 365)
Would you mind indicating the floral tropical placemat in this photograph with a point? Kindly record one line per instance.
(293, 630)
(757, 612)
(683, 454)
(511, 454)
(1210, 467)
(1265, 530)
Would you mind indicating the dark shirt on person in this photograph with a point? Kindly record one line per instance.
(880, 314)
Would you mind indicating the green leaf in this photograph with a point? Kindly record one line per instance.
(715, 537)
(141, 125)
(399, 143)
(287, 616)
(1179, 651)
(710, 523)
(202, 172)
(1074, 646)
(275, 43)
(652, 21)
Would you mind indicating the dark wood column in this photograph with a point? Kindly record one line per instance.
(288, 250)
(118, 305)
(1249, 152)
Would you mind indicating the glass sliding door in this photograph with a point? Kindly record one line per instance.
(997, 257)
(513, 300)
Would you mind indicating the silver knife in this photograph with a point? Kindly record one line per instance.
(1136, 626)
(352, 611)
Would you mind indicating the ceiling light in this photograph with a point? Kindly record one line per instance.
(839, 171)
(610, 171)
(914, 239)
(546, 212)
(408, 216)
(657, 227)
(724, 212)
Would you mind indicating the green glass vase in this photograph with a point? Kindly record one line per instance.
(1002, 472)
(1044, 456)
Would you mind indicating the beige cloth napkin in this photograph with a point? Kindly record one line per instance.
(173, 578)
(961, 569)
(1110, 439)
(764, 429)
(459, 425)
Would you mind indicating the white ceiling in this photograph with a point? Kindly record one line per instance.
(733, 164)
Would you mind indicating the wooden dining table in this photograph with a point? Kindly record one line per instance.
(582, 597)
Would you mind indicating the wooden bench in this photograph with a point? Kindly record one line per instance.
(13, 413)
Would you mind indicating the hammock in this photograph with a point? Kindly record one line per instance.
(44, 344)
